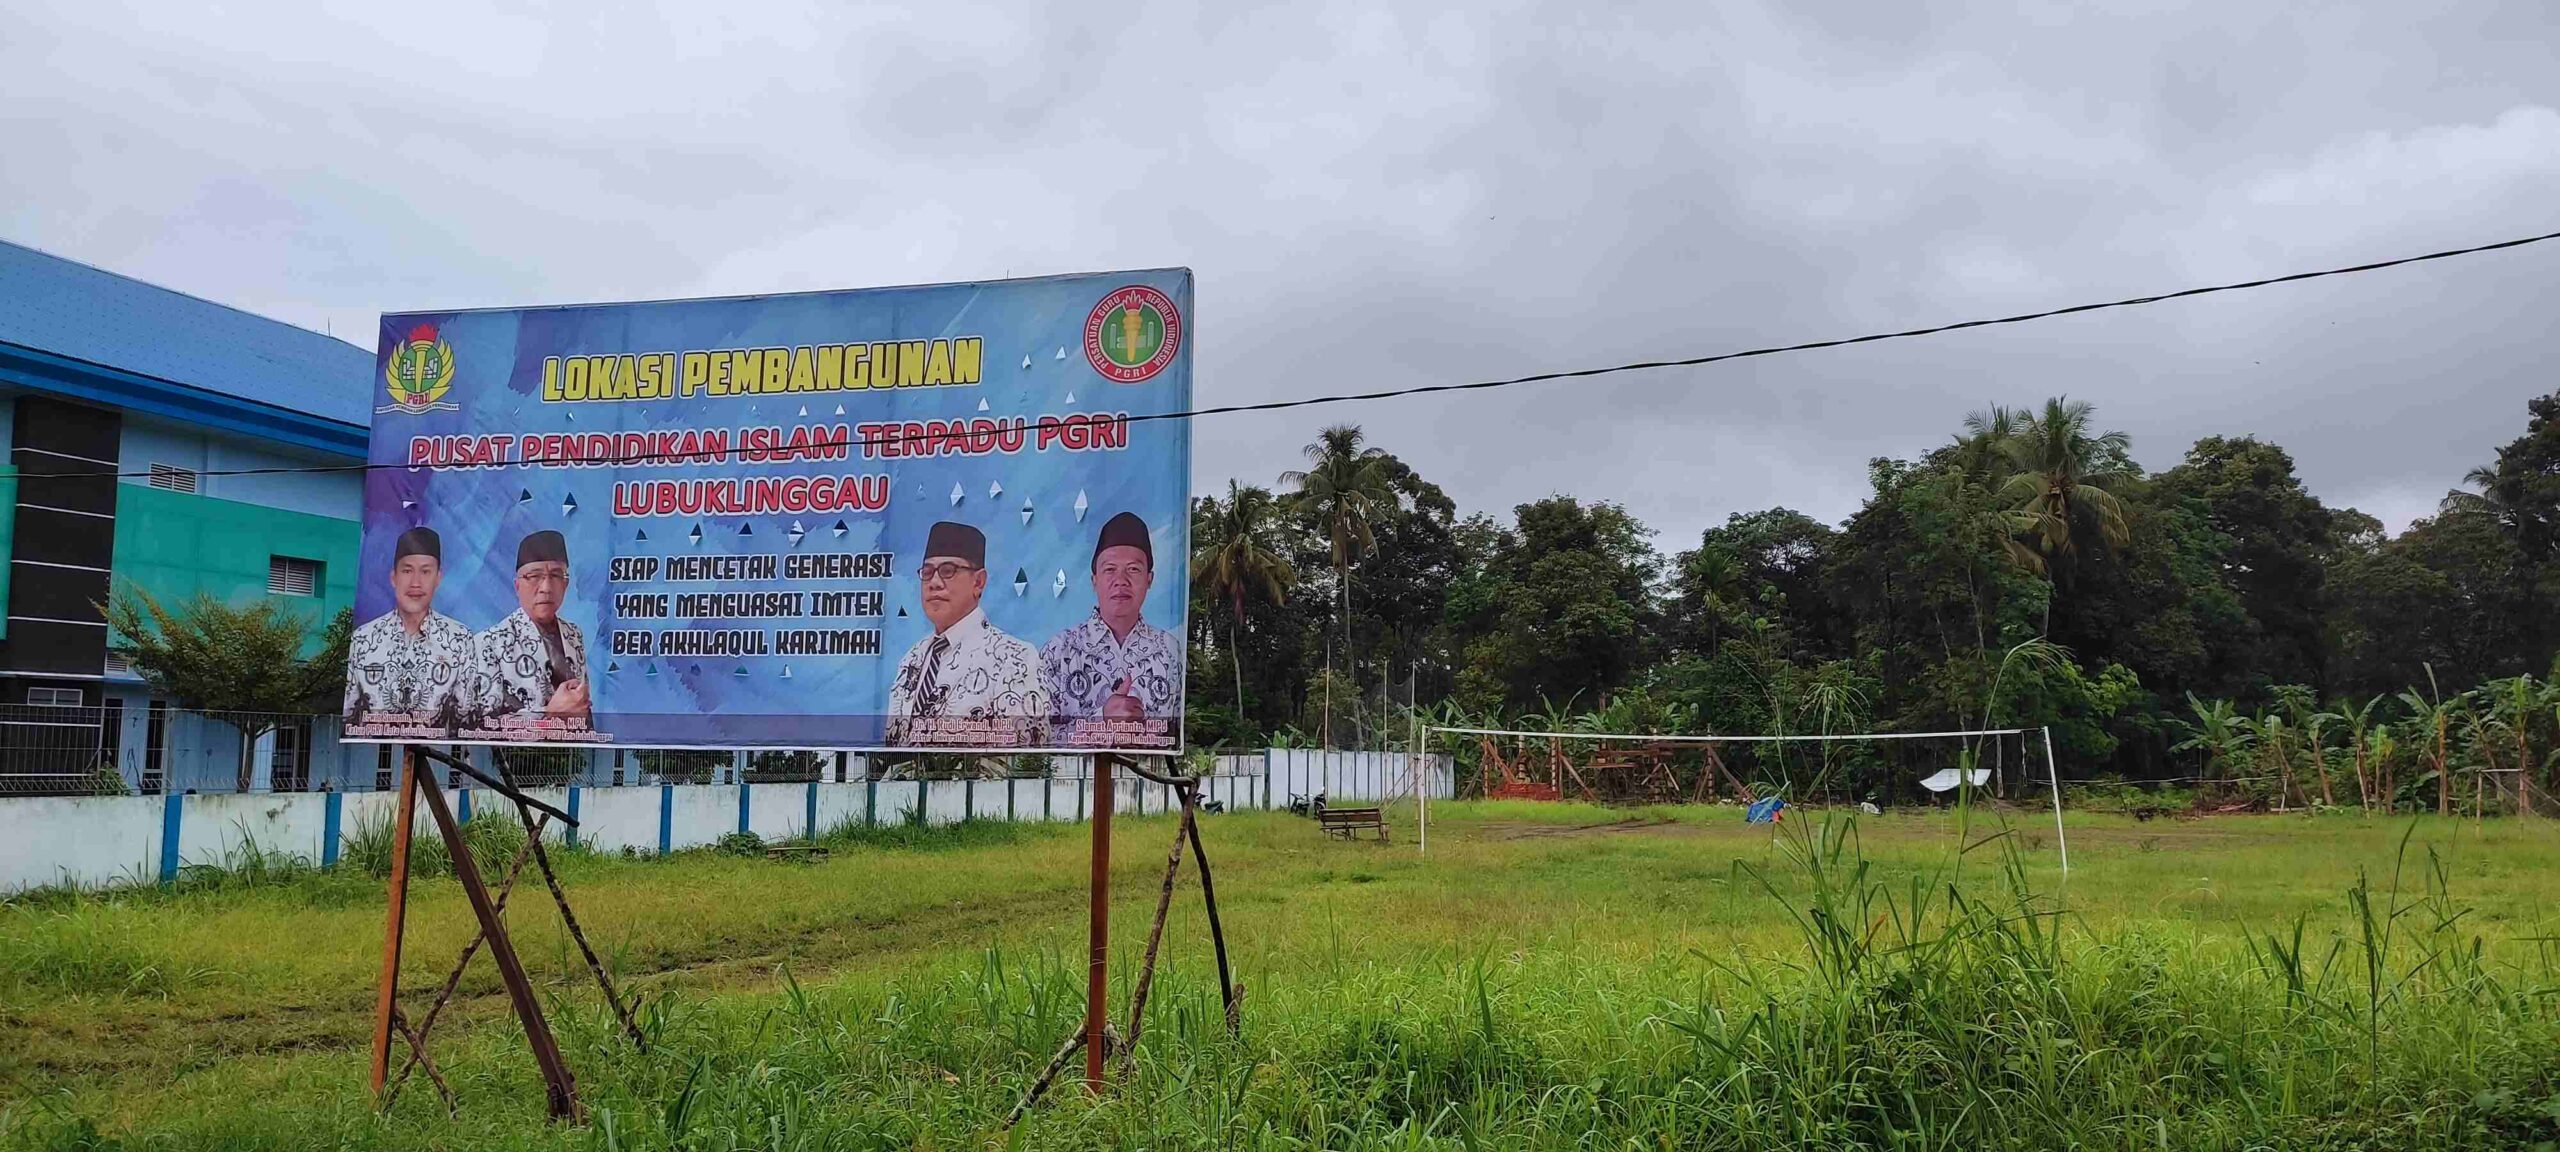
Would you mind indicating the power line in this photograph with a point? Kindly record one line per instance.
(1540, 377)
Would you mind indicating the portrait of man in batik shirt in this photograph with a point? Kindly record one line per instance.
(411, 665)
(533, 664)
(968, 683)
(1114, 665)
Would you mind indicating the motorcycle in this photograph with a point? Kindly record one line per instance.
(1303, 806)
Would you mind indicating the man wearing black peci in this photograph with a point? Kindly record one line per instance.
(534, 663)
(412, 662)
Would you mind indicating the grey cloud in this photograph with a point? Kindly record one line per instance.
(1380, 195)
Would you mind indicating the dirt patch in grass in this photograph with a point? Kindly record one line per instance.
(1604, 828)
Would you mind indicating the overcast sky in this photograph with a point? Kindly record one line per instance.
(1374, 195)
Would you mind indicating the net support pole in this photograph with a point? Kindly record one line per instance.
(2053, 777)
(1422, 789)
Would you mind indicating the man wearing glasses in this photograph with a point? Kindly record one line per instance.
(967, 684)
(1115, 665)
(534, 664)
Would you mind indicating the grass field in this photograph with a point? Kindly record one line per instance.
(1550, 976)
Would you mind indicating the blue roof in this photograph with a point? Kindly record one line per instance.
(70, 310)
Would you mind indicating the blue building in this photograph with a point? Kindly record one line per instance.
(178, 446)
(157, 440)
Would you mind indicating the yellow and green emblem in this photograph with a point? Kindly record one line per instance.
(419, 372)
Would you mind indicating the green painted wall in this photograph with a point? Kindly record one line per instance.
(175, 545)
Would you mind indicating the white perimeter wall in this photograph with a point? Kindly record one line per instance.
(95, 842)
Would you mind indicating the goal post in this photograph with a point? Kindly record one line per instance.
(1646, 764)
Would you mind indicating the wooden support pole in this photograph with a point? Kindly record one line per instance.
(1040, 1084)
(560, 1086)
(416, 1034)
(542, 857)
(1155, 939)
(417, 1041)
(1098, 930)
(386, 997)
(1227, 991)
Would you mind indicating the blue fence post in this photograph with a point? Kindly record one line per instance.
(870, 802)
(1009, 804)
(924, 802)
(666, 818)
(462, 805)
(1048, 799)
(969, 798)
(742, 804)
(1083, 786)
(172, 809)
(809, 824)
(570, 833)
(329, 817)
(1266, 778)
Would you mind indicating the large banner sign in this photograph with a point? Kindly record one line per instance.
(888, 518)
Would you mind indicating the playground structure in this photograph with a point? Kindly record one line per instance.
(1540, 768)
(1645, 768)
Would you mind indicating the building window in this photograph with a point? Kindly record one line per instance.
(171, 478)
(289, 769)
(293, 576)
(56, 697)
(118, 665)
(155, 748)
(111, 735)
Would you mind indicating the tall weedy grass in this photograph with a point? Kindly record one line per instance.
(1952, 1005)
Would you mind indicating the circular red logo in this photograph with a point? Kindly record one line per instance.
(1132, 334)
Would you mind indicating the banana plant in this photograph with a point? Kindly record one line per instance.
(2513, 704)
(2315, 747)
(2360, 726)
(2219, 735)
(2432, 715)
(2275, 743)
(2386, 752)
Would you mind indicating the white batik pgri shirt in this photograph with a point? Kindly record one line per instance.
(425, 674)
(1084, 665)
(968, 685)
(513, 666)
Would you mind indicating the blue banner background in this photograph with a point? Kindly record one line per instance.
(1035, 365)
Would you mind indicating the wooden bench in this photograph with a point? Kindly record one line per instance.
(810, 853)
(1347, 823)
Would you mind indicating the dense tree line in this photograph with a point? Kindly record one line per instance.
(2028, 572)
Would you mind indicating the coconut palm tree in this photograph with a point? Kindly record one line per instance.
(1237, 546)
(2061, 482)
(1982, 449)
(1343, 491)
(1713, 576)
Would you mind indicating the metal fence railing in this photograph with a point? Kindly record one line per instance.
(150, 748)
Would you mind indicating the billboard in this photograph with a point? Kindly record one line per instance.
(875, 519)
